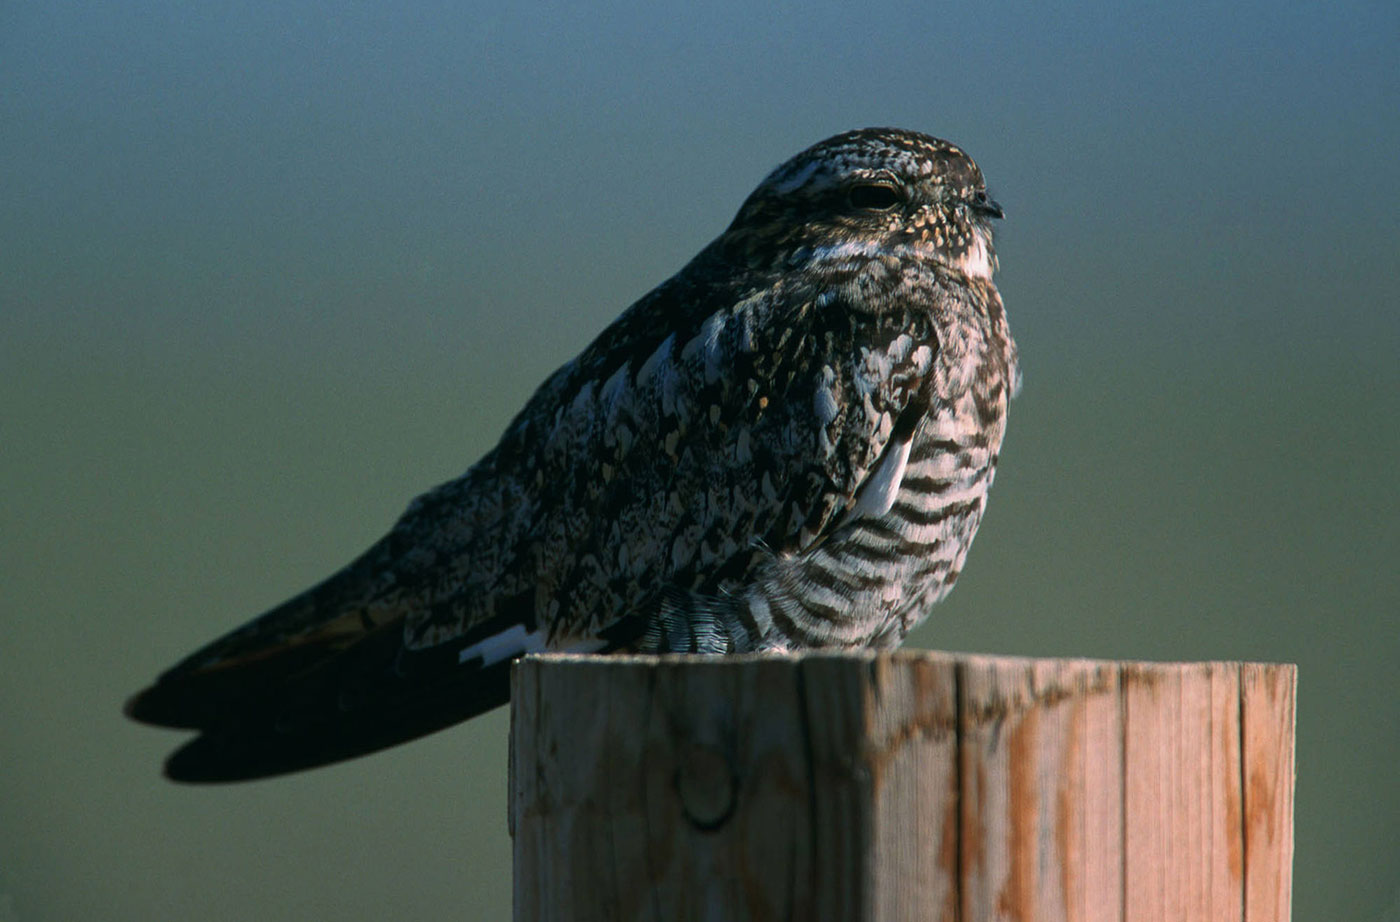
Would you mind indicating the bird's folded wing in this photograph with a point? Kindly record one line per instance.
(658, 460)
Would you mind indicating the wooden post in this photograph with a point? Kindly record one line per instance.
(905, 785)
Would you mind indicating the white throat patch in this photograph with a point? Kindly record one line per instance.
(978, 262)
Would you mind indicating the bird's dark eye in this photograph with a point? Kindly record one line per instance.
(874, 196)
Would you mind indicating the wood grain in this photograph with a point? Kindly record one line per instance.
(907, 785)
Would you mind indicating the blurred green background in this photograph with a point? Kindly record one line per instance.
(269, 270)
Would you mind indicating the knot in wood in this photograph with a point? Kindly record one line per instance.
(707, 785)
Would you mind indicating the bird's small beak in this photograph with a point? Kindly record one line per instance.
(986, 205)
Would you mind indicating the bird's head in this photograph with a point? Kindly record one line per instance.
(867, 194)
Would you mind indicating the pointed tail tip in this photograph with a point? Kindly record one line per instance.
(201, 762)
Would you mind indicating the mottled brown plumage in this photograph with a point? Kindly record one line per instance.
(788, 444)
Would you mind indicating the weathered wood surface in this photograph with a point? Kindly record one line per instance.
(910, 785)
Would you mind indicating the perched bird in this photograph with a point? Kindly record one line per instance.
(787, 445)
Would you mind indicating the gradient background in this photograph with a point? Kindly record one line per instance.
(268, 270)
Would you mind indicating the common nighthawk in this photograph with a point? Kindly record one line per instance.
(786, 445)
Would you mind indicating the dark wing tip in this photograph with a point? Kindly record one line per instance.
(325, 723)
(369, 697)
(192, 698)
(154, 706)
